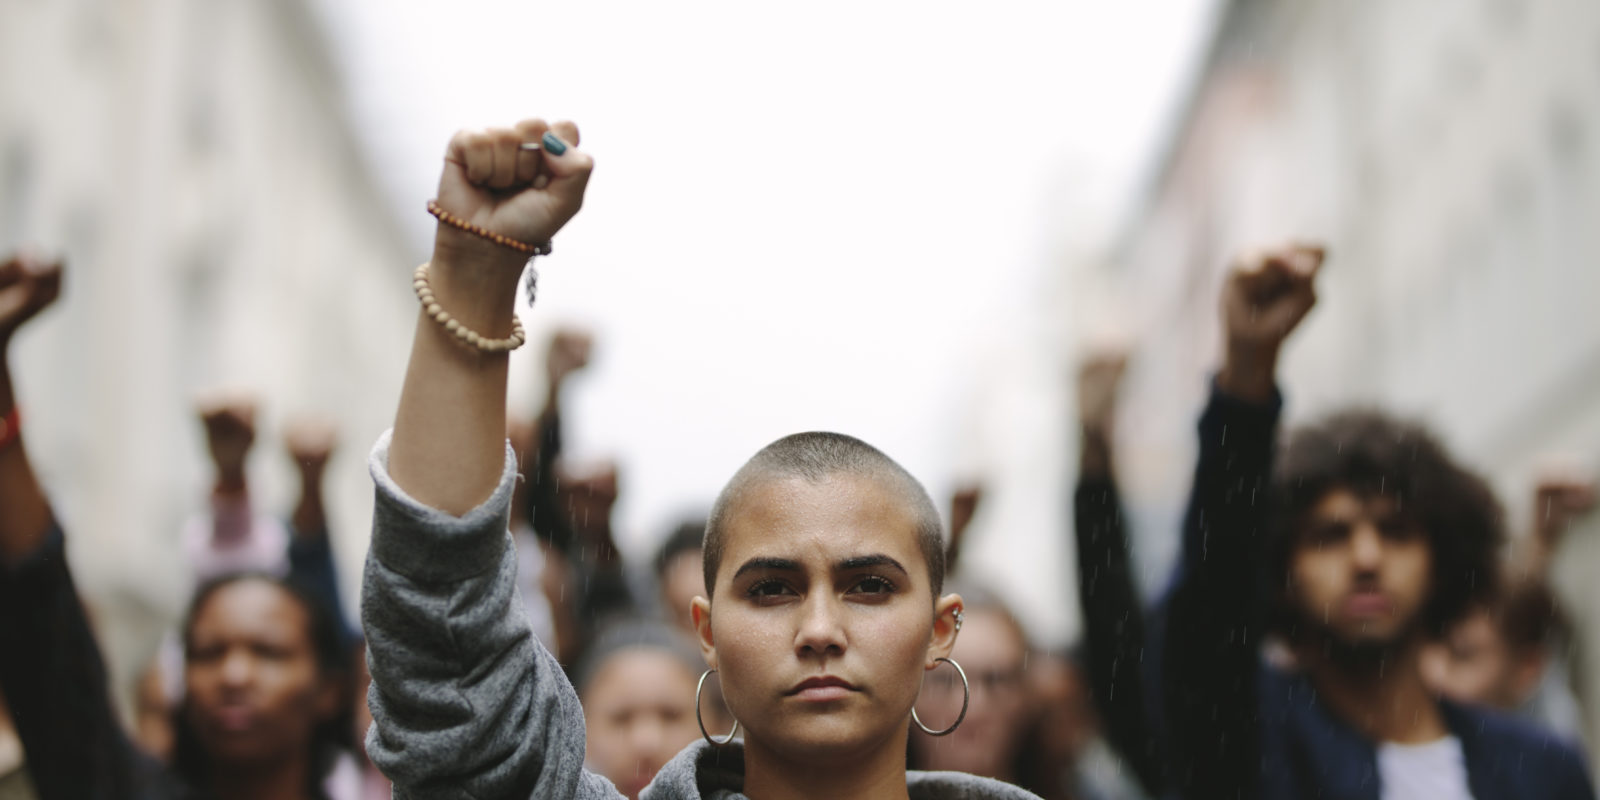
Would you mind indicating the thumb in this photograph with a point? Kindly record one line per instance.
(569, 167)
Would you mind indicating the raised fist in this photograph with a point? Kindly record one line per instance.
(230, 422)
(27, 286)
(1266, 296)
(498, 180)
(1268, 293)
(1099, 376)
(1561, 496)
(569, 352)
(310, 441)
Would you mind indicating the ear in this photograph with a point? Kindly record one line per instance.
(945, 628)
(700, 610)
(1529, 669)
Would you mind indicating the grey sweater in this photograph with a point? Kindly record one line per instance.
(465, 701)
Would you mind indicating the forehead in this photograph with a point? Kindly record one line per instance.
(840, 516)
(1343, 503)
(641, 674)
(248, 607)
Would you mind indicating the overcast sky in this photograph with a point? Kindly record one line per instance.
(804, 216)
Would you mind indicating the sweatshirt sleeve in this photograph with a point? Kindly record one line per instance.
(465, 701)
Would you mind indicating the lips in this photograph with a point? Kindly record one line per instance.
(234, 718)
(1367, 604)
(822, 689)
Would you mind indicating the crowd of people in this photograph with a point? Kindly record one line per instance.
(1346, 620)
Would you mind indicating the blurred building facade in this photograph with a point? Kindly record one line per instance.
(192, 161)
(1449, 155)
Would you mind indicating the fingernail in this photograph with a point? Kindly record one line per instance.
(553, 144)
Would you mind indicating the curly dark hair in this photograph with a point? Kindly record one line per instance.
(1372, 454)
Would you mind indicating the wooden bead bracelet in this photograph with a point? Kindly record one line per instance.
(536, 249)
(453, 326)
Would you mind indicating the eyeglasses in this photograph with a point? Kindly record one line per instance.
(992, 680)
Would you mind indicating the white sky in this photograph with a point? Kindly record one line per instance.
(804, 216)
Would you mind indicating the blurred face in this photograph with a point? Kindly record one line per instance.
(992, 652)
(1066, 711)
(1360, 570)
(254, 692)
(681, 582)
(639, 707)
(824, 620)
(1475, 664)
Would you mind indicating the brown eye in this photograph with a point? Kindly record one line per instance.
(873, 584)
(768, 589)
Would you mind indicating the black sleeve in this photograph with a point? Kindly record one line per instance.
(1210, 664)
(1114, 630)
(544, 510)
(55, 682)
(311, 565)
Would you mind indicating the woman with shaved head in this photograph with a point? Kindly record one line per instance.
(823, 561)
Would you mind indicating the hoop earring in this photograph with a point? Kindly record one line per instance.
(724, 740)
(966, 697)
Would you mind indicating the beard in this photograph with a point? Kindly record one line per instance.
(1354, 654)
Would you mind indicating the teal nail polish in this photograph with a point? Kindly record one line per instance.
(553, 144)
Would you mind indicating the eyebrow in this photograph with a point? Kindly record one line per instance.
(790, 565)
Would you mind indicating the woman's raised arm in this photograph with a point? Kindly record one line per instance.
(450, 431)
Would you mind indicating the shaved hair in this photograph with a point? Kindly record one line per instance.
(815, 457)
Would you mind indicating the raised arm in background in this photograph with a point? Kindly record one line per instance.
(1113, 616)
(1216, 620)
(26, 288)
(51, 672)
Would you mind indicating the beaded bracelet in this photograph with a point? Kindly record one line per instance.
(463, 334)
(10, 427)
(536, 249)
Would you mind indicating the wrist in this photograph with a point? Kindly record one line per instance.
(459, 248)
(1249, 371)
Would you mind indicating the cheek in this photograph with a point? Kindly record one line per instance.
(1317, 577)
(749, 649)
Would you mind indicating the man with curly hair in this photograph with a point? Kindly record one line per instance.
(1366, 541)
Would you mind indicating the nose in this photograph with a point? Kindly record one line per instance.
(1366, 547)
(238, 668)
(821, 630)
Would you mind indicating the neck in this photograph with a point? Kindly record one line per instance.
(266, 781)
(878, 774)
(1377, 690)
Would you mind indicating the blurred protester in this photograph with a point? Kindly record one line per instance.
(637, 685)
(992, 650)
(1065, 756)
(1366, 540)
(680, 573)
(1507, 653)
(263, 655)
(265, 709)
(1502, 655)
(307, 559)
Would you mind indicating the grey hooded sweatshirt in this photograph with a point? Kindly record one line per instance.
(466, 703)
